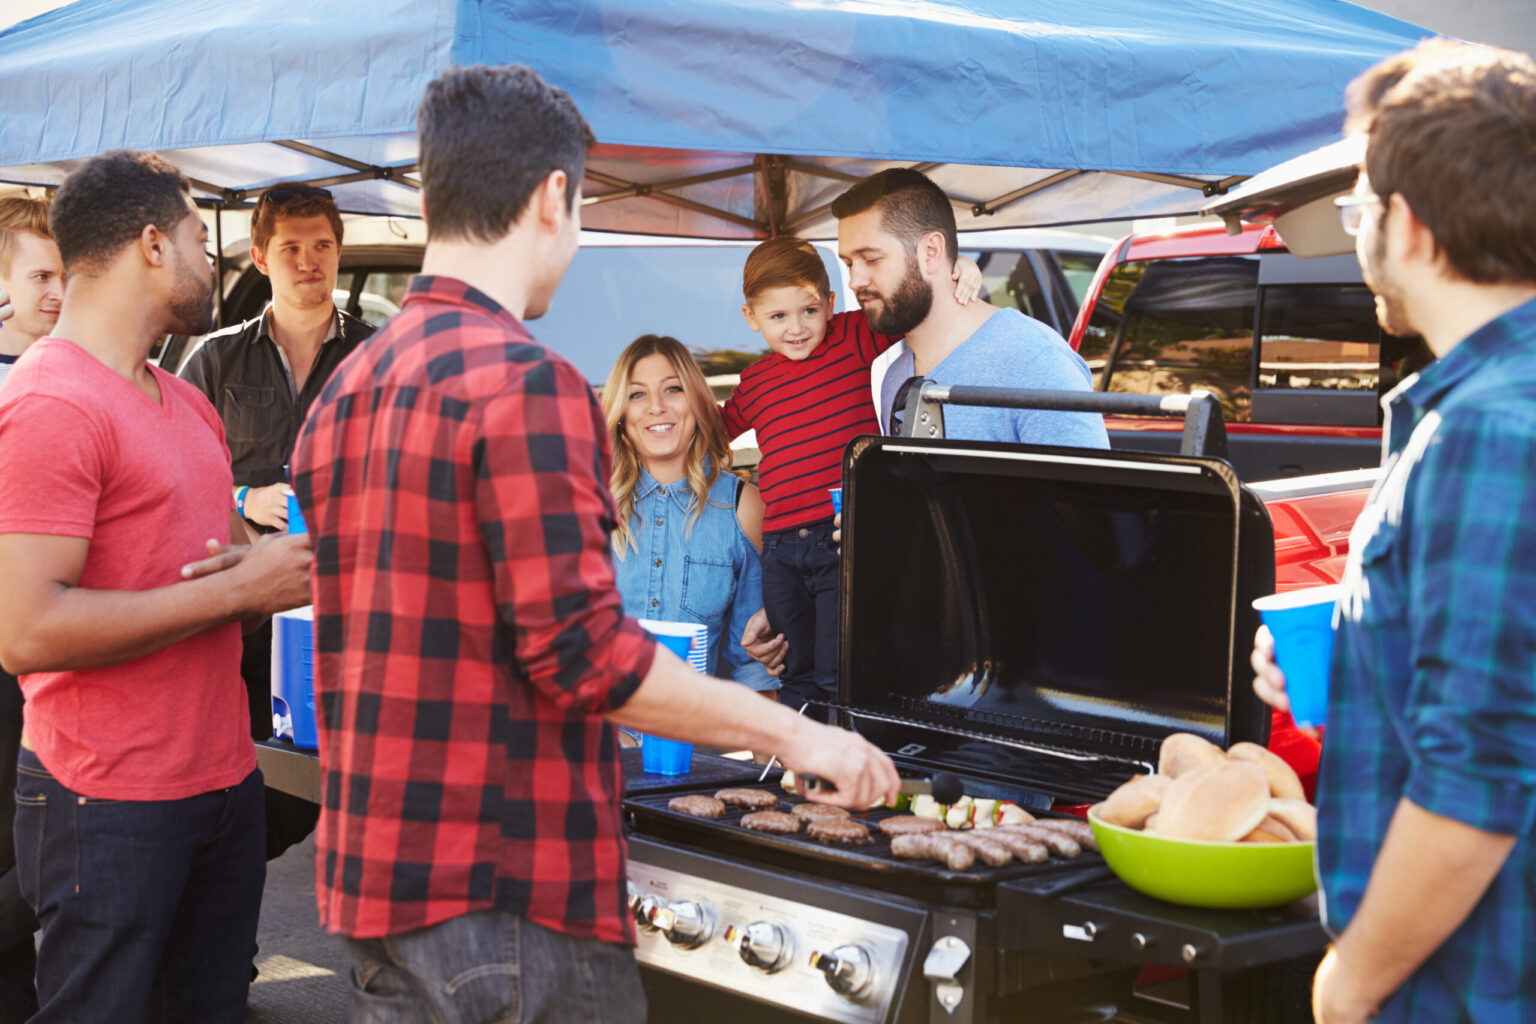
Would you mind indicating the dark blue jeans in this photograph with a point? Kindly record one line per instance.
(148, 908)
(801, 575)
(492, 966)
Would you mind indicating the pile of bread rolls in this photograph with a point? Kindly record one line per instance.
(1245, 794)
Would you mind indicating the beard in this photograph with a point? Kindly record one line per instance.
(904, 308)
(1391, 311)
(192, 302)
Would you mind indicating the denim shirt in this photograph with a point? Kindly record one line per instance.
(1433, 689)
(709, 573)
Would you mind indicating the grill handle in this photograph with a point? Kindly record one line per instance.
(1204, 432)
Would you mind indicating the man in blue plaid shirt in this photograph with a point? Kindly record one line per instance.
(1427, 788)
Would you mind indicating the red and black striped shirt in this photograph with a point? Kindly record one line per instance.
(805, 412)
(468, 635)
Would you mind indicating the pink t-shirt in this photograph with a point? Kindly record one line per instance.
(85, 453)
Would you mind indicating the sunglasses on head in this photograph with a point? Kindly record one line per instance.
(279, 196)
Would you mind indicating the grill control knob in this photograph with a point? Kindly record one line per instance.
(850, 970)
(690, 926)
(646, 910)
(764, 946)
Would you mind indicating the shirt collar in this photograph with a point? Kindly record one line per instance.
(1489, 343)
(266, 324)
(677, 491)
(453, 292)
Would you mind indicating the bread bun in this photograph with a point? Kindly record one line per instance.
(1135, 801)
(1284, 784)
(1271, 830)
(1217, 803)
(1151, 825)
(1184, 752)
(1297, 815)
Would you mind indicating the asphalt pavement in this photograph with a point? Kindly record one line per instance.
(303, 970)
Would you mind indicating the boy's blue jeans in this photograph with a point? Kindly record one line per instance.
(492, 966)
(148, 908)
(801, 575)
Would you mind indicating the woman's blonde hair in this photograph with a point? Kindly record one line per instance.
(709, 453)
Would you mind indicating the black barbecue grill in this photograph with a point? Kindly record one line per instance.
(1035, 621)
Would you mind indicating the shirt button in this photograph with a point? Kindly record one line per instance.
(659, 520)
(804, 532)
(654, 602)
(658, 561)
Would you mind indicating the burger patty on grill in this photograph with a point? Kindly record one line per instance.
(910, 824)
(698, 805)
(819, 812)
(751, 799)
(837, 830)
(775, 822)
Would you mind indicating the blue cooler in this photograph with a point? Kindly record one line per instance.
(293, 678)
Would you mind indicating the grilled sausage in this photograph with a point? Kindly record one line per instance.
(992, 853)
(1056, 842)
(910, 824)
(1024, 849)
(930, 846)
(1078, 830)
(751, 799)
(697, 804)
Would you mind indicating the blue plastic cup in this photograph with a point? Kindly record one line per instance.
(1301, 622)
(837, 500)
(661, 756)
(295, 517)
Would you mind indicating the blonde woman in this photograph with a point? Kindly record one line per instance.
(686, 546)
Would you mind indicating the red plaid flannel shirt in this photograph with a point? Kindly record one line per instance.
(454, 476)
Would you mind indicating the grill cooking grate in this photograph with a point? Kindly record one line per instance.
(652, 815)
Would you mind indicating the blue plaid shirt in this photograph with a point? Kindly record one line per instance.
(1434, 671)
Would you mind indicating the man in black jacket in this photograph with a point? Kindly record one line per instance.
(262, 376)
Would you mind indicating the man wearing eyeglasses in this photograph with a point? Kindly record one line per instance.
(1427, 787)
(262, 377)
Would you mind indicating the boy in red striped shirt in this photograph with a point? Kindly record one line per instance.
(806, 400)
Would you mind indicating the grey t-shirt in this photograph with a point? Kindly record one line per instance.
(1010, 350)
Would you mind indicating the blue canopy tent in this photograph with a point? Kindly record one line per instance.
(715, 118)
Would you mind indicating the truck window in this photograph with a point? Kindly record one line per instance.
(1008, 280)
(1170, 326)
(1078, 268)
(379, 296)
(1319, 337)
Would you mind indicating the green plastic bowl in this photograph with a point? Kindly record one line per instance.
(1201, 874)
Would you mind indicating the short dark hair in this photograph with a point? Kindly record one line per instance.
(305, 201)
(1452, 128)
(489, 136)
(911, 207)
(106, 203)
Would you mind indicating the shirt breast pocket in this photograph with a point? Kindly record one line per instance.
(247, 412)
(708, 585)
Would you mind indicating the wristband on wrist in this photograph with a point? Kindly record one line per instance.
(240, 500)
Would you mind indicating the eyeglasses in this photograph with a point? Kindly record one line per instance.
(899, 406)
(280, 196)
(1352, 211)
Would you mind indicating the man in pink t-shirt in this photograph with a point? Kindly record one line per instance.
(139, 805)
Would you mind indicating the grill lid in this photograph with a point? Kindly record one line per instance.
(1040, 618)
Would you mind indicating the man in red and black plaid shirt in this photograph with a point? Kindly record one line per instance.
(472, 652)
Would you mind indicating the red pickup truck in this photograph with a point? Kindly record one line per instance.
(1289, 346)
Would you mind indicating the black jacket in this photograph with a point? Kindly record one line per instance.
(241, 372)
